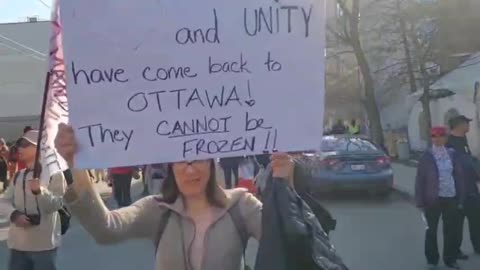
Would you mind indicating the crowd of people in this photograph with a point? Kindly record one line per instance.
(446, 187)
(188, 191)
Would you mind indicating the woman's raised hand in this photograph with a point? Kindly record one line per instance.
(282, 166)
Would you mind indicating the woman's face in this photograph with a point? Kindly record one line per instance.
(192, 177)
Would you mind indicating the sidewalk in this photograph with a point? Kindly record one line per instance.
(404, 179)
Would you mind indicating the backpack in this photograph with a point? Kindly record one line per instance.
(64, 213)
(237, 219)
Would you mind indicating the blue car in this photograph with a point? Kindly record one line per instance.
(350, 163)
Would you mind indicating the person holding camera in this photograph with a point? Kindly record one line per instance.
(35, 229)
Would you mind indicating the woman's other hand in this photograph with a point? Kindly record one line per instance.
(283, 166)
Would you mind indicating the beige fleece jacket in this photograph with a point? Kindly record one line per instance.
(47, 235)
(223, 247)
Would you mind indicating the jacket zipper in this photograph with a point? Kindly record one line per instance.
(204, 249)
(187, 257)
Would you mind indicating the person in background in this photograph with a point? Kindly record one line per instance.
(155, 175)
(229, 166)
(440, 192)
(4, 156)
(122, 181)
(339, 128)
(20, 165)
(99, 175)
(35, 229)
(391, 142)
(354, 128)
(459, 127)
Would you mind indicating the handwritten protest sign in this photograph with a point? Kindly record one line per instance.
(160, 81)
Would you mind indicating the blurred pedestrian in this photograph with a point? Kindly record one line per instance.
(354, 128)
(122, 182)
(457, 140)
(230, 166)
(99, 175)
(440, 192)
(4, 156)
(339, 128)
(35, 229)
(155, 175)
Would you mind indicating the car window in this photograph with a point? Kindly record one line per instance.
(333, 144)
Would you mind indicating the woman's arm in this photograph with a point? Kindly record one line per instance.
(107, 227)
(251, 210)
(50, 198)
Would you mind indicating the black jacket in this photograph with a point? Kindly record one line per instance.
(301, 174)
(292, 237)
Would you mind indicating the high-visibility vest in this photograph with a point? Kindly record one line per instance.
(354, 129)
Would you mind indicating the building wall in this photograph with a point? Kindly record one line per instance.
(440, 109)
(11, 128)
(23, 67)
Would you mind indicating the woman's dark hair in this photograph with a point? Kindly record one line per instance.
(170, 190)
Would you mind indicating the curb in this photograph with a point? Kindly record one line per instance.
(409, 163)
(404, 194)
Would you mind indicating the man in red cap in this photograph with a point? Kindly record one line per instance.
(439, 192)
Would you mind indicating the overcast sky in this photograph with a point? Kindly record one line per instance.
(19, 10)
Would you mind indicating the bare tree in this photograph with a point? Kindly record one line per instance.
(347, 31)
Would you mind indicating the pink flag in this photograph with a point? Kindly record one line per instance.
(56, 110)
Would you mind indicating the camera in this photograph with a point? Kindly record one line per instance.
(34, 219)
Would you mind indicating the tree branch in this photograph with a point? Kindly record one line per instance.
(341, 37)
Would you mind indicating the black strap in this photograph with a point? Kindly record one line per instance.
(15, 177)
(161, 228)
(68, 176)
(25, 193)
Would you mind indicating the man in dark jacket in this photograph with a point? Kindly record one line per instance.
(440, 192)
(457, 140)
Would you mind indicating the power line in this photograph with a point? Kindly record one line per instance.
(43, 3)
(22, 46)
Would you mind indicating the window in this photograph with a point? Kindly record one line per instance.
(333, 144)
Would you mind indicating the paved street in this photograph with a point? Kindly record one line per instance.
(371, 235)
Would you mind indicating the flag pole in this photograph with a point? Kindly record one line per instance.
(37, 167)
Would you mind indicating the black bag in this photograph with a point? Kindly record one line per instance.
(65, 217)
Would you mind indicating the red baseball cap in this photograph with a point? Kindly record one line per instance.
(439, 131)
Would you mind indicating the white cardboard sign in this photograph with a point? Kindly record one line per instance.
(165, 80)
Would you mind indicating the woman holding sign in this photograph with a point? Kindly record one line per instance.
(194, 224)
